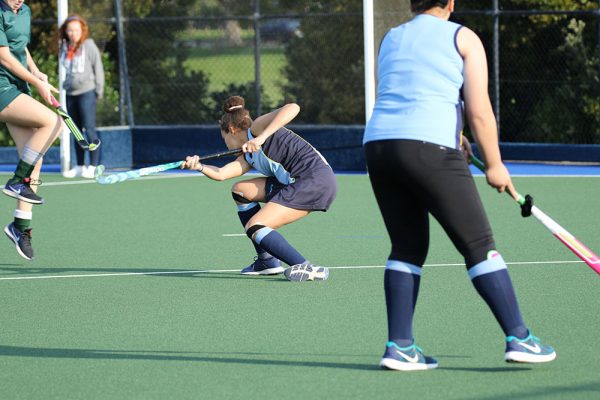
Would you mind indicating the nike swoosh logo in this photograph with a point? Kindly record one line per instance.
(408, 358)
(534, 349)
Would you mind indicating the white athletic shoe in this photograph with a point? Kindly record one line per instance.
(73, 172)
(306, 272)
(88, 172)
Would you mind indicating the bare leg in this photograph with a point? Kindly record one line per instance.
(33, 131)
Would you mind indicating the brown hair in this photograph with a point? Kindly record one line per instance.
(235, 115)
(62, 32)
(424, 5)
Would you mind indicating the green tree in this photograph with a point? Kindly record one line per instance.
(247, 91)
(162, 90)
(549, 84)
(325, 70)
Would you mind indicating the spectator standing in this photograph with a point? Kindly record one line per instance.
(84, 84)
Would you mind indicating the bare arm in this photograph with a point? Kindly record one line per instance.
(33, 67)
(233, 169)
(267, 124)
(479, 109)
(9, 62)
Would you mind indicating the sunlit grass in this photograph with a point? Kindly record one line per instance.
(236, 65)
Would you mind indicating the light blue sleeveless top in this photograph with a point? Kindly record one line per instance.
(420, 74)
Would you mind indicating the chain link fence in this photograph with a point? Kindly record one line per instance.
(167, 67)
(544, 67)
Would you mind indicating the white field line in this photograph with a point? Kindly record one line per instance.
(220, 271)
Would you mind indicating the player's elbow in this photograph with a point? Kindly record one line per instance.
(293, 108)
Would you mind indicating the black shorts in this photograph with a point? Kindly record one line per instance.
(412, 179)
(313, 192)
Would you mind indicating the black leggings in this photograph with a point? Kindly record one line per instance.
(412, 179)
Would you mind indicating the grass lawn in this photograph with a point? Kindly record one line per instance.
(236, 65)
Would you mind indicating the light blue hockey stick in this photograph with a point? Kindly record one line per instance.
(138, 173)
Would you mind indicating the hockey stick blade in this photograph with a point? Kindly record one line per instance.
(138, 173)
(79, 138)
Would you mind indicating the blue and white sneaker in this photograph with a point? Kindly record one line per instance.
(409, 358)
(22, 191)
(306, 272)
(22, 240)
(268, 266)
(528, 350)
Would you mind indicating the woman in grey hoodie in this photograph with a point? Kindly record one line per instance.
(84, 84)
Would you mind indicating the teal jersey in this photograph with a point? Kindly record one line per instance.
(15, 33)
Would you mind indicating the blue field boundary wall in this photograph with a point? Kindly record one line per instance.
(133, 147)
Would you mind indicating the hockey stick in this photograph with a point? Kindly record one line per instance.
(138, 173)
(81, 141)
(527, 209)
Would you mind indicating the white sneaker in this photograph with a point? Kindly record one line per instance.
(88, 172)
(73, 172)
(306, 272)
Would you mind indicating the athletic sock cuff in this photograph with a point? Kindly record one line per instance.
(23, 214)
(261, 233)
(400, 266)
(246, 207)
(494, 263)
(30, 156)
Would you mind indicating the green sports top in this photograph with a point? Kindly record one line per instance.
(15, 32)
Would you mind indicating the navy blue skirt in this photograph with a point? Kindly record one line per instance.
(313, 192)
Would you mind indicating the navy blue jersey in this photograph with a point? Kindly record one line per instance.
(286, 156)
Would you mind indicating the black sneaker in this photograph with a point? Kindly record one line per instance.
(22, 191)
(22, 240)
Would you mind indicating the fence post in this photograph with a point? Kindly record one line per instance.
(496, 61)
(124, 84)
(65, 135)
(257, 72)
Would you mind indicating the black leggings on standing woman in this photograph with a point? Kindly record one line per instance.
(411, 179)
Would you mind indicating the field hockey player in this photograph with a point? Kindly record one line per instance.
(31, 125)
(416, 168)
(297, 181)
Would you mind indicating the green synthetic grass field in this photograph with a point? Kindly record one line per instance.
(236, 65)
(135, 294)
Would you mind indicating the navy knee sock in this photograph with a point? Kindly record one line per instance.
(401, 284)
(492, 282)
(275, 244)
(245, 212)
